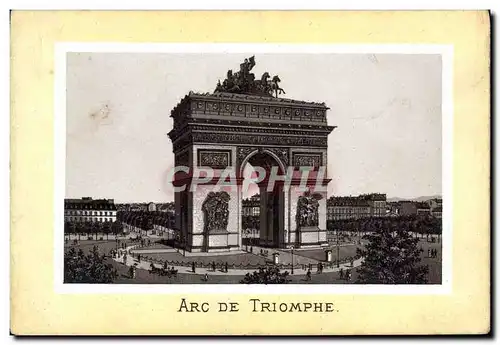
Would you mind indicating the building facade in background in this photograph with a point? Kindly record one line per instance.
(89, 210)
(251, 206)
(376, 205)
(423, 209)
(432, 207)
(436, 207)
(407, 208)
(356, 207)
(347, 207)
(377, 202)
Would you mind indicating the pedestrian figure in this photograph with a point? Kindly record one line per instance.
(428, 253)
(139, 257)
(308, 274)
(251, 250)
(206, 277)
(348, 275)
(226, 267)
(213, 266)
(341, 273)
(310, 266)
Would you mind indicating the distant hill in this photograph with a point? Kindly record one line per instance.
(419, 199)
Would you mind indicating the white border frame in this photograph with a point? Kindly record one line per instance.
(446, 51)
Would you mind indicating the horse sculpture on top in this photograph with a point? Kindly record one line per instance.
(244, 82)
(275, 88)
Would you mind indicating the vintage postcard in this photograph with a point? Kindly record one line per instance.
(211, 181)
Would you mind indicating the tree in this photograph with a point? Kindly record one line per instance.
(116, 228)
(90, 268)
(266, 275)
(106, 228)
(94, 228)
(79, 229)
(391, 257)
(67, 229)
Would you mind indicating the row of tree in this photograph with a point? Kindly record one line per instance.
(146, 220)
(412, 224)
(93, 228)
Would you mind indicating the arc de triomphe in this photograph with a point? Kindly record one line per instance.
(245, 122)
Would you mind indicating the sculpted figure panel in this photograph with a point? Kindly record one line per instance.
(307, 209)
(216, 212)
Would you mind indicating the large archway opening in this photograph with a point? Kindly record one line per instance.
(263, 206)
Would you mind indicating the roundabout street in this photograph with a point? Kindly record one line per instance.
(145, 264)
(185, 275)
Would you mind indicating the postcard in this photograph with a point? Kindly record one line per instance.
(336, 180)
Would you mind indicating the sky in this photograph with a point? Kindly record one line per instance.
(387, 109)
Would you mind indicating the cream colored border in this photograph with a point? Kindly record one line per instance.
(446, 52)
(38, 309)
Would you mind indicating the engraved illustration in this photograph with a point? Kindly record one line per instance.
(335, 181)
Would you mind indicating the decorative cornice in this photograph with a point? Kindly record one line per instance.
(233, 98)
(265, 128)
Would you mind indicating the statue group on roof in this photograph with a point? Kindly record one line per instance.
(244, 82)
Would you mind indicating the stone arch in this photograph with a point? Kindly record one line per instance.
(272, 203)
(244, 162)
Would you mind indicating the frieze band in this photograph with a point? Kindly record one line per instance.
(278, 129)
(261, 111)
(224, 138)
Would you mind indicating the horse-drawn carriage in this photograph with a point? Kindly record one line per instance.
(162, 271)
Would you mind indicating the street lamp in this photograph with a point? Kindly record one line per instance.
(292, 257)
(338, 249)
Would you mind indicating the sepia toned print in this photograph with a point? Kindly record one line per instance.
(326, 169)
